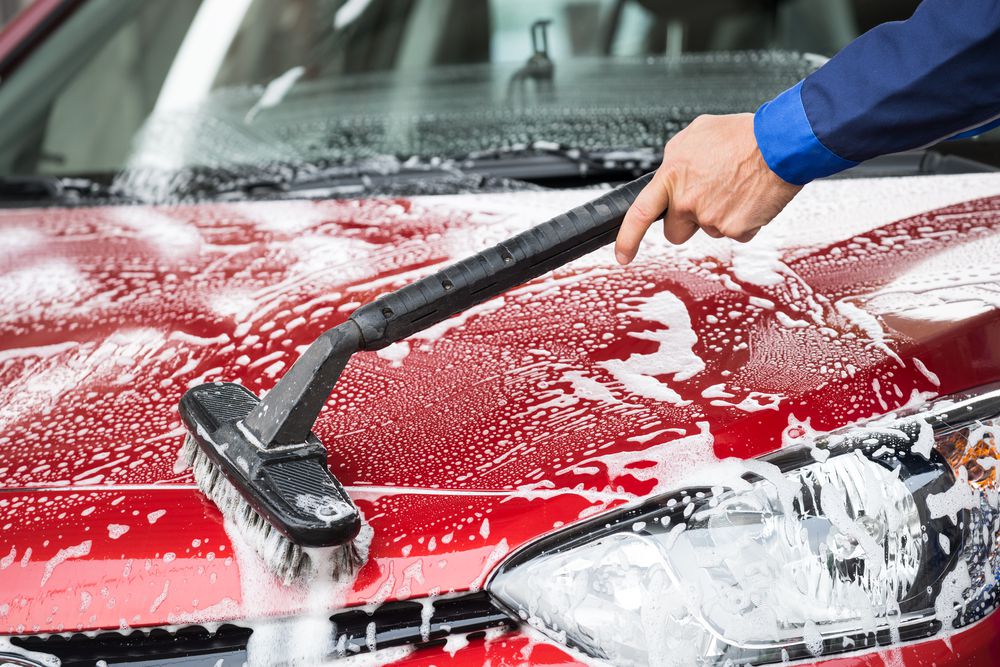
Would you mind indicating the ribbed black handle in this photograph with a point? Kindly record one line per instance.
(517, 260)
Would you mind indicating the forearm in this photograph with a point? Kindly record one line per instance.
(899, 86)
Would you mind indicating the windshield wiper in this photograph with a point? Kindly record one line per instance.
(366, 178)
(926, 162)
(39, 189)
(550, 163)
(515, 168)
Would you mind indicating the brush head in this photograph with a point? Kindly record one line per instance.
(282, 499)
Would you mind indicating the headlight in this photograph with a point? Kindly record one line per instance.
(880, 534)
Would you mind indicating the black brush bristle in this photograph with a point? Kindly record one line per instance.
(282, 499)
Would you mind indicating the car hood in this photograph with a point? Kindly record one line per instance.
(581, 390)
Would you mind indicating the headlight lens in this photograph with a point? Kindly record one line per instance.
(872, 536)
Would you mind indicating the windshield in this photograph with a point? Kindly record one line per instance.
(156, 94)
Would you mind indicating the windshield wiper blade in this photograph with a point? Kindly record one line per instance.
(44, 189)
(924, 162)
(349, 180)
(546, 160)
(513, 168)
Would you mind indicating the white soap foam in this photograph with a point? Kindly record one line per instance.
(960, 495)
(671, 460)
(17, 240)
(589, 388)
(395, 353)
(869, 324)
(171, 237)
(289, 217)
(926, 373)
(50, 284)
(77, 551)
(438, 330)
(160, 598)
(755, 401)
(759, 262)
(116, 530)
(675, 353)
(716, 391)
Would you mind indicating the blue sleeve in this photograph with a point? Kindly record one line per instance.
(900, 86)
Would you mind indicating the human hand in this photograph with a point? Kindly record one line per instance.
(712, 178)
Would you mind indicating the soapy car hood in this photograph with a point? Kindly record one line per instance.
(577, 392)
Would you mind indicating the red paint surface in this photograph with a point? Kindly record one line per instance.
(110, 314)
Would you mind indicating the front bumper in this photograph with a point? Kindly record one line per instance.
(474, 633)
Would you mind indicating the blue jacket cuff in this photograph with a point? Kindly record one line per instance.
(787, 141)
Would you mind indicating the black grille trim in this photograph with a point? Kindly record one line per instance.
(396, 624)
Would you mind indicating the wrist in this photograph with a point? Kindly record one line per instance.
(787, 144)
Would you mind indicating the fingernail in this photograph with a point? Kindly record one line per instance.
(622, 258)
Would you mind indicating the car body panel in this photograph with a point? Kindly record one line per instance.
(580, 391)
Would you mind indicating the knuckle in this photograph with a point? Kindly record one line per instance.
(730, 228)
(707, 219)
(702, 120)
(686, 210)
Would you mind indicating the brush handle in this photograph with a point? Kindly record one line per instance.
(492, 272)
(285, 416)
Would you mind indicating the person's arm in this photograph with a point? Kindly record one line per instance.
(899, 86)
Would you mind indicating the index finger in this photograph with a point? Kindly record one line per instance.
(647, 208)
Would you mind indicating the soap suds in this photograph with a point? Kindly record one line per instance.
(960, 495)
(753, 402)
(160, 598)
(395, 353)
(869, 325)
(78, 551)
(436, 331)
(675, 354)
(589, 388)
(116, 530)
(758, 263)
(926, 373)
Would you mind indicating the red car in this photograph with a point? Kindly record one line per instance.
(723, 454)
